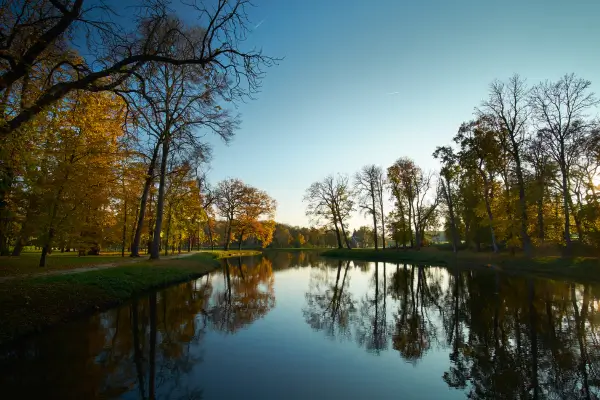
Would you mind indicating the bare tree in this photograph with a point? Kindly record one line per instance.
(330, 202)
(366, 184)
(508, 104)
(423, 206)
(381, 184)
(43, 36)
(560, 112)
(172, 102)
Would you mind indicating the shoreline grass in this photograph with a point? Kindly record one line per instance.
(28, 263)
(553, 267)
(295, 249)
(30, 304)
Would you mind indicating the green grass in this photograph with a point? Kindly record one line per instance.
(555, 267)
(293, 249)
(27, 263)
(30, 304)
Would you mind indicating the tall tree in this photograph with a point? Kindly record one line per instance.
(560, 110)
(381, 185)
(402, 185)
(412, 189)
(172, 102)
(480, 151)
(367, 187)
(508, 104)
(448, 175)
(229, 202)
(255, 218)
(330, 202)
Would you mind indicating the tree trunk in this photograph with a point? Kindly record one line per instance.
(540, 218)
(375, 236)
(154, 251)
(135, 245)
(228, 234)
(48, 241)
(452, 218)
(337, 234)
(382, 225)
(345, 236)
(5, 187)
(381, 211)
(410, 232)
(168, 231)
(124, 238)
(210, 236)
(199, 236)
(525, 240)
(418, 239)
(46, 247)
(488, 209)
(566, 195)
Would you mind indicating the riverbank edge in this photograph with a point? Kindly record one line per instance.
(30, 305)
(585, 269)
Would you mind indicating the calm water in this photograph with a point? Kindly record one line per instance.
(296, 326)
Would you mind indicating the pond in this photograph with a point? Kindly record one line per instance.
(298, 326)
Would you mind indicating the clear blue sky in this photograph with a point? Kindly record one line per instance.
(326, 107)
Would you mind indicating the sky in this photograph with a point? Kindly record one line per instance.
(364, 82)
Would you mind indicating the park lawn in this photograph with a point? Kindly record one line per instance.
(584, 269)
(27, 263)
(29, 304)
(295, 249)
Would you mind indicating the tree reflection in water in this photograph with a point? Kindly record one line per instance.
(149, 346)
(247, 295)
(329, 304)
(504, 337)
(371, 327)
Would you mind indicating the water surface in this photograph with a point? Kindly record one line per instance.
(297, 326)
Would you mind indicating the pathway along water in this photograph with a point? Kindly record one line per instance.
(296, 326)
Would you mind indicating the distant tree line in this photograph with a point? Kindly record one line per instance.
(522, 174)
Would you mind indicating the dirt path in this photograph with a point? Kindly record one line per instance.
(93, 267)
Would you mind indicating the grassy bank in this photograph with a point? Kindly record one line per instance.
(295, 249)
(28, 263)
(32, 303)
(577, 268)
